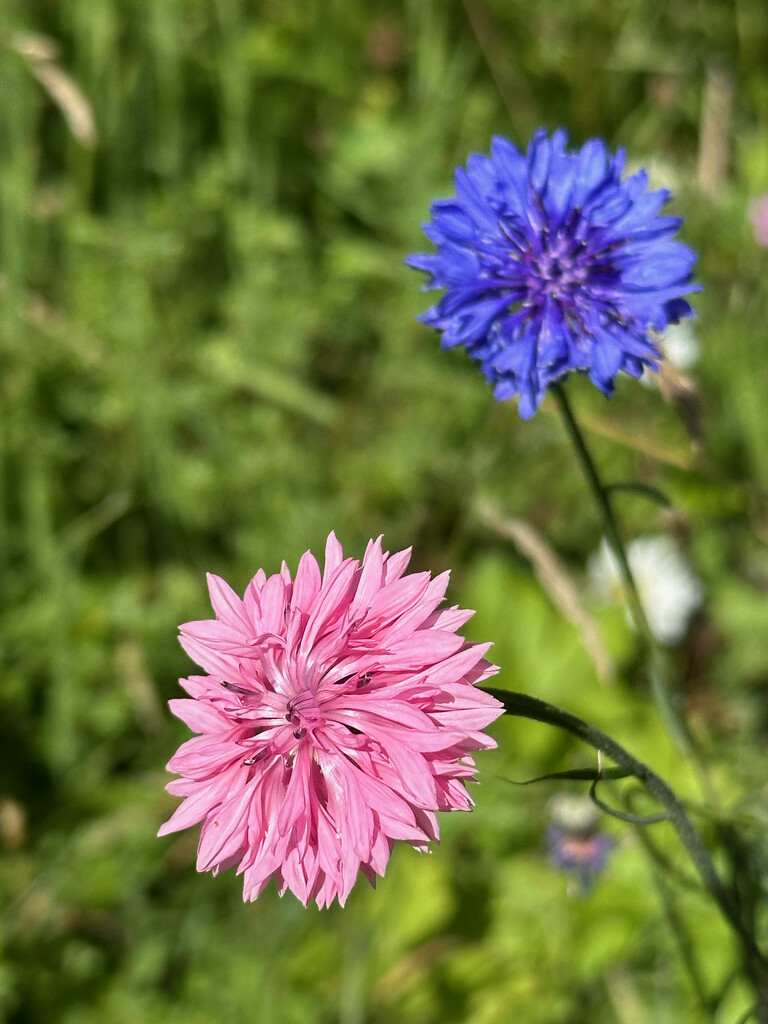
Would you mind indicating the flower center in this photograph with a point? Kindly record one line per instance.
(557, 272)
(303, 711)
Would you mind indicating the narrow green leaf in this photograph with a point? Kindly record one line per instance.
(575, 774)
(644, 490)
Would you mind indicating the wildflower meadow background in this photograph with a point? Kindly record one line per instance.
(209, 359)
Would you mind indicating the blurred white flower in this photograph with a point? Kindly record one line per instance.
(680, 347)
(669, 590)
(573, 811)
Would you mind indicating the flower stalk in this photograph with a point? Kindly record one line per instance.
(524, 706)
(658, 673)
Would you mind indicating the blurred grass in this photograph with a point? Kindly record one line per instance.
(208, 360)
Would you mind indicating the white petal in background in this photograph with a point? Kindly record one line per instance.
(680, 347)
(669, 589)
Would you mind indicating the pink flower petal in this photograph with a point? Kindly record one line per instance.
(200, 716)
(334, 556)
(226, 603)
(308, 582)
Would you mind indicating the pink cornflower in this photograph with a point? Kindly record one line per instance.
(337, 716)
(758, 214)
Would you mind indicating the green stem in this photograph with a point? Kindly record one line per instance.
(524, 706)
(682, 937)
(674, 721)
(656, 661)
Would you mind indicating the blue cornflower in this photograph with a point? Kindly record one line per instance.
(574, 841)
(551, 263)
(585, 857)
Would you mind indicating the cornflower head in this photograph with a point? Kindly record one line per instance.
(338, 715)
(575, 843)
(551, 262)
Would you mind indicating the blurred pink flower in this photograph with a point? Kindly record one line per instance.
(338, 716)
(758, 214)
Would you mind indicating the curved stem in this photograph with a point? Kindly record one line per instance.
(657, 662)
(524, 706)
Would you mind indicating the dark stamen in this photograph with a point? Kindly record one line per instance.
(259, 756)
(236, 689)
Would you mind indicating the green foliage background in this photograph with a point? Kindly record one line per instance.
(208, 359)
